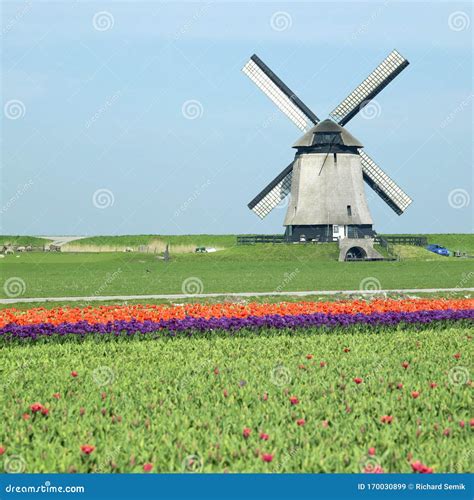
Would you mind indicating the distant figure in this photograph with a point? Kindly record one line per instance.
(166, 253)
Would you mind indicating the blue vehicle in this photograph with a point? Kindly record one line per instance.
(438, 249)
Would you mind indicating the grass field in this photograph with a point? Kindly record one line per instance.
(23, 241)
(260, 268)
(182, 404)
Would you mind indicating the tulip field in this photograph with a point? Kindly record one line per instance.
(380, 385)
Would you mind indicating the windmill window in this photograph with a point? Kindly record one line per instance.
(349, 210)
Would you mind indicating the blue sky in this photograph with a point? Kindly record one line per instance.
(96, 129)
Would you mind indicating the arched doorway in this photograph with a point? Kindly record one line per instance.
(356, 253)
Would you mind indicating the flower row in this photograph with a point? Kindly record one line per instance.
(193, 324)
(156, 313)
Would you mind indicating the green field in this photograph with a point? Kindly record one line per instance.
(23, 241)
(238, 269)
(163, 402)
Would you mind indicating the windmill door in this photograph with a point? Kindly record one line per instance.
(338, 231)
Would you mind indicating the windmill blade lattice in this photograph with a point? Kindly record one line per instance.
(285, 99)
(273, 194)
(382, 75)
(383, 185)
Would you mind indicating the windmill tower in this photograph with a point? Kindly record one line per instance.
(325, 179)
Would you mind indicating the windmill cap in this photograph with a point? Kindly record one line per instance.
(311, 138)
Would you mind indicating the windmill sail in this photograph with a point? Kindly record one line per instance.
(279, 93)
(382, 75)
(383, 185)
(272, 195)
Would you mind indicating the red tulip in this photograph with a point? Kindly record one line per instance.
(371, 452)
(74, 374)
(309, 356)
(302, 367)
(44, 411)
(225, 393)
(103, 395)
(216, 371)
(301, 421)
(400, 386)
(35, 407)
(87, 449)
(294, 400)
(246, 432)
(82, 411)
(267, 457)
(2, 450)
(457, 355)
(471, 422)
(26, 416)
(447, 431)
(421, 468)
(147, 467)
(414, 394)
(358, 380)
(56, 395)
(405, 364)
(462, 424)
(386, 419)
(265, 396)
(325, 424)
(346, 349)
(322, 364)
(433, 385)
(264, 437)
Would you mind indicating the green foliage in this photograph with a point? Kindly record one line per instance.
(161, 401)
(23, 241)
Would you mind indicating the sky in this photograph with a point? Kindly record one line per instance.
(134, 117)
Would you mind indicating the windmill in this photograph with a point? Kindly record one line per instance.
(325, 179)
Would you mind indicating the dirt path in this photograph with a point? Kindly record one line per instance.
(96, 298)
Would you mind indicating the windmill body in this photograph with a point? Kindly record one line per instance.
(325, 181)
(327, 197)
